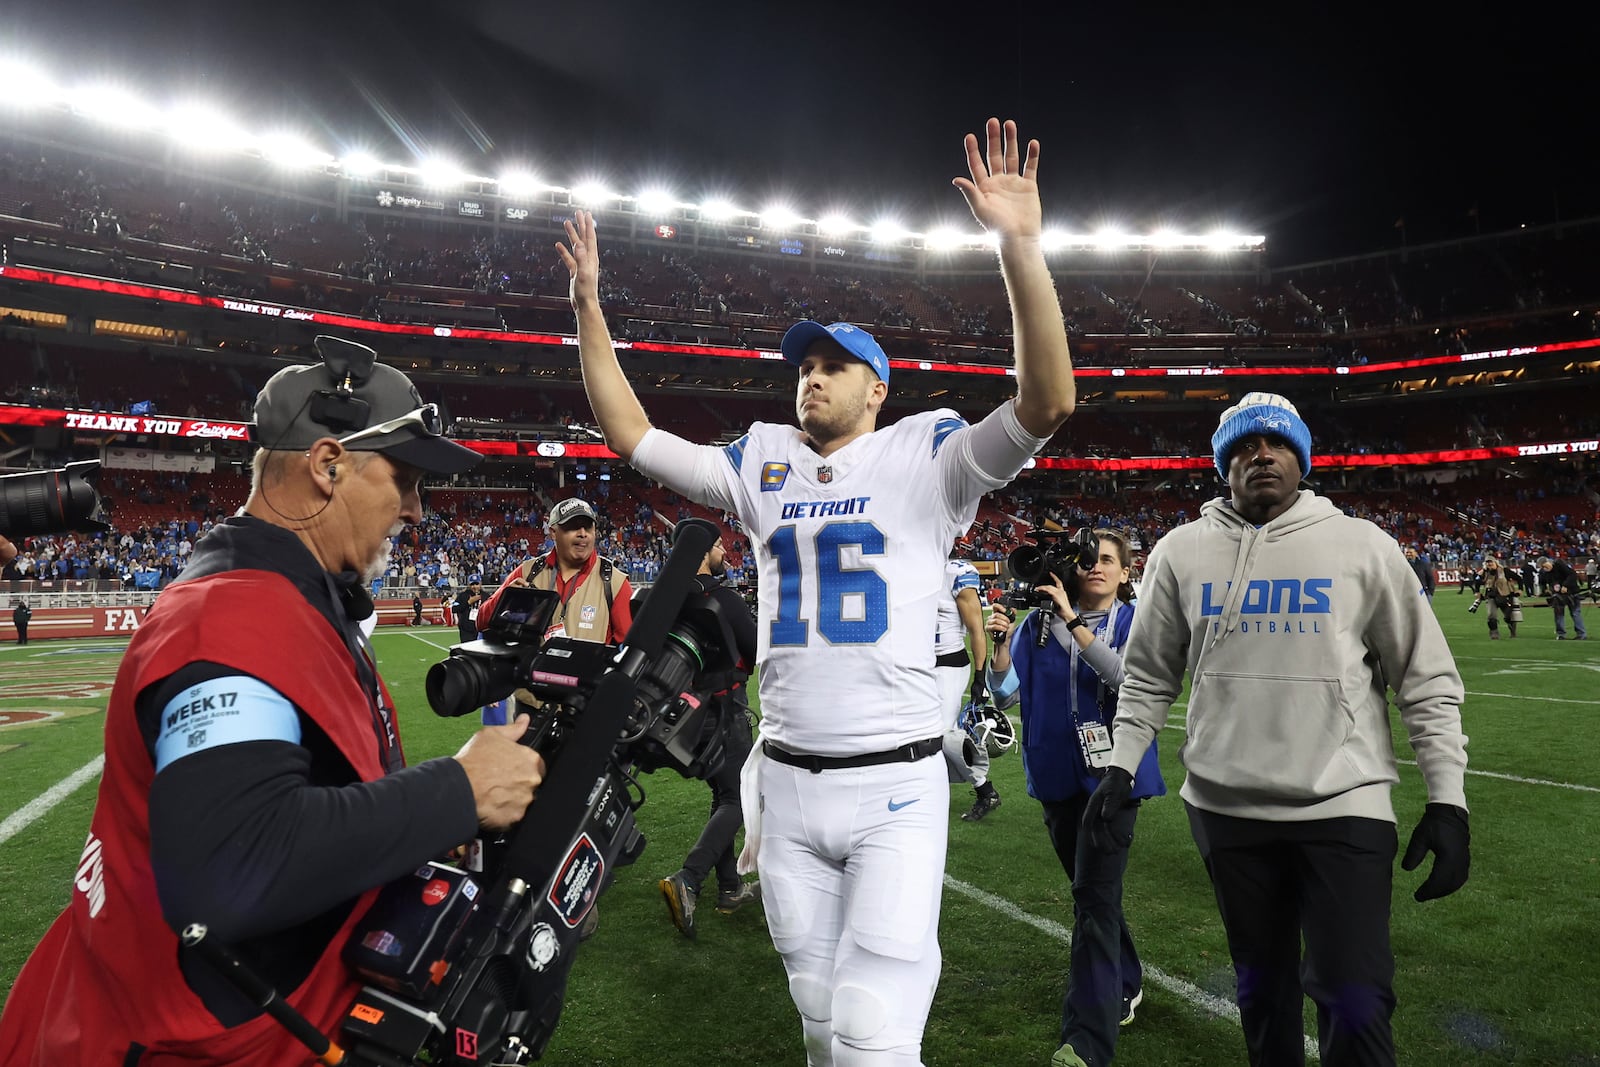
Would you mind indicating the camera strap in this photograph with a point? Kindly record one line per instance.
(1094, 736)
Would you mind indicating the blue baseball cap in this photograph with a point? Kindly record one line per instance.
(853, 339)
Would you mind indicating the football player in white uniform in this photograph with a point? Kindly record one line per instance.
(960, 625)
(850, 526)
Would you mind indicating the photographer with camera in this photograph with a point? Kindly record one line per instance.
(595, 592)
(1068, 690)
(1562, 590)
(1499, 588)
(254, 780)
(714, 849)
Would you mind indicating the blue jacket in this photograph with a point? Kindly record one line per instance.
(1051, 755)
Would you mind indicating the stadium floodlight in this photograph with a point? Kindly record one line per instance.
(1110, 239)
(26, 86)
(946, 239)
(592, 192)
(360, 165)
(291, 150)
(1052, 240)
(436, 172)
(203, 128)
(1228, 241)
(718, 210)
(779, 217)
(836, 224)
(888, 232)
(518, 183)
(1166, 238)
(656, 201)
(113, 106)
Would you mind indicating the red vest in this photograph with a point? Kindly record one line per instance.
(106, 975)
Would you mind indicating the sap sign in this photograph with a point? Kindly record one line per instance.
(791, 247)
(516, 214)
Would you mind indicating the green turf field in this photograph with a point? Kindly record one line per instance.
(1501, 972)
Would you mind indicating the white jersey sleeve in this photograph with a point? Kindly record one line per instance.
(951, 634)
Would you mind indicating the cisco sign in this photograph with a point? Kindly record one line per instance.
(791, 247)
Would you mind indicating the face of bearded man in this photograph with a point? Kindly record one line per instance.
(378, 566)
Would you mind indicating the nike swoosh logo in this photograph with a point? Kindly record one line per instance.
(903, 804)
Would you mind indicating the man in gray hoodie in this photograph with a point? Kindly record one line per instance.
(1292, 619)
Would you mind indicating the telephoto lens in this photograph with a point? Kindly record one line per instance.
(51, 501)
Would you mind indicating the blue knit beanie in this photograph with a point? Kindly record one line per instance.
(1261, 413)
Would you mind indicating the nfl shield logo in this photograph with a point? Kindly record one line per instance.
(588, 613)
(824, 475)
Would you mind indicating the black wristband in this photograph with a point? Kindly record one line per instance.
(1075, 622)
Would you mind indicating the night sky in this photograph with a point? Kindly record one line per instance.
(1320, 133)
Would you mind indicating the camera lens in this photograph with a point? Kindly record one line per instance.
(460, 684)
(40, 502)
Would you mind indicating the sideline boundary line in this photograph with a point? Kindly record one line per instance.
(1207, 1003)
(41, 805)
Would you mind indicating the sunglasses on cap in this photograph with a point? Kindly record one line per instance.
(426, 418)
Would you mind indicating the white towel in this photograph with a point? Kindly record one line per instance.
(750, 800)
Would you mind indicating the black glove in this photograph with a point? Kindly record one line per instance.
(979, 690)
(1114, 793)
(1443, 831)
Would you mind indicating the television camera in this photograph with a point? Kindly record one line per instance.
(466, 963)
(52, 501)
(1056, 552)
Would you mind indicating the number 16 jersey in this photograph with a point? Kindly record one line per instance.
(851, 552)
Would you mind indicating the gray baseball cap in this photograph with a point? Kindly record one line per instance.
(366, 405)
(571, 510)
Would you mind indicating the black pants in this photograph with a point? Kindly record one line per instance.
(715, 847)
(1104, 967)
(22, 633)
(1327, 882)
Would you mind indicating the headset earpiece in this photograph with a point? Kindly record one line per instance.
(333, 472)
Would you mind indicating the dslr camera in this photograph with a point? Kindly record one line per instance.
(1032, 564)
(467, 962)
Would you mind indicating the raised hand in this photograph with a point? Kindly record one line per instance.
(581, 254)
(1003, 192)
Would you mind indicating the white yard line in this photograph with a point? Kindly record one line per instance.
(1209, 1003)
(1530, 696)
(1575, 787)
(40, 806)
(424, 640)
